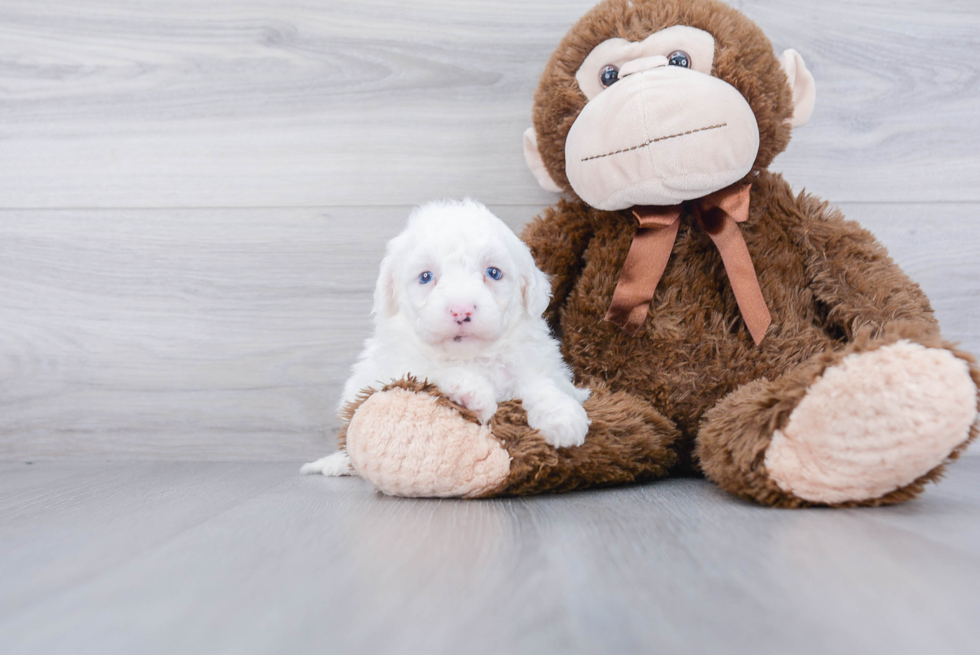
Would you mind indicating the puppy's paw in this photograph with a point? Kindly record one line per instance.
(334, 465)
(582, 394)
(561, 420)
(470, 391)
(482, 403)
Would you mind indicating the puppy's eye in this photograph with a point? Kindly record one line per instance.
(679, 58)
(608, 76)
(425, 278)
(494, 273)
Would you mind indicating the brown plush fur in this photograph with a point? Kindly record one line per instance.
(823, 278)
(831, 289)
(628, 441)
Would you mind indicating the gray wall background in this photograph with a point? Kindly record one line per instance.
(194, 196)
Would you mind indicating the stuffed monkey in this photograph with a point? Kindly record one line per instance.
(726, 326)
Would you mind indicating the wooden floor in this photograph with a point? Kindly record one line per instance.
(182, 557)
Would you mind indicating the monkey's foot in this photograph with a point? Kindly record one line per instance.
(873, 423)
(412, 443)
(410, 439)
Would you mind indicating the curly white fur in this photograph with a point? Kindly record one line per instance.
(440, 315)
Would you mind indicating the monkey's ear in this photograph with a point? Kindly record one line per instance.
(536, 164)
(804, 88)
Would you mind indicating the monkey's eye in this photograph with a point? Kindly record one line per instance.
(425, 278)
(494, 273)
(608, 76)
(679, 58)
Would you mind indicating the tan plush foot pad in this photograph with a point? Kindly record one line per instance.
(873, 423)
(410, 444)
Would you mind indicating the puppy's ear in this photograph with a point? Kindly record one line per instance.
(385, 292)
(535, 286)
(536, 292)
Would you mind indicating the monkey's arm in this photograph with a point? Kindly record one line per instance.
(557, 239)
(852, 275)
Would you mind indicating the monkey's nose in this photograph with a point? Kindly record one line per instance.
(641, 65)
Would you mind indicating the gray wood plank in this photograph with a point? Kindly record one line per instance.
(64, 523)
(670, 567)
(228, 334)
(938, 514)
(252, 103)
(896, 93)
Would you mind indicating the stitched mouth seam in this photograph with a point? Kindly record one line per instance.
(652, 141)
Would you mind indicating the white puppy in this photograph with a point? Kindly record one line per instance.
(459, 302)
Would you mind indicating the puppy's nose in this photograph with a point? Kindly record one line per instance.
(462, 311)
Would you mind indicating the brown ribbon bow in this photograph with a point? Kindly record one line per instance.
(718, 214)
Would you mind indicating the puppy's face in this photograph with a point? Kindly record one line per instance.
(459, 277)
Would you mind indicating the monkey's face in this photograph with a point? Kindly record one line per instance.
(672, 116)
(657, 129)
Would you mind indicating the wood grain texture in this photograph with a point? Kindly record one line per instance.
(243, 103)
(155, 332)
(228, 334)
(97, 515)
(253, 558)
